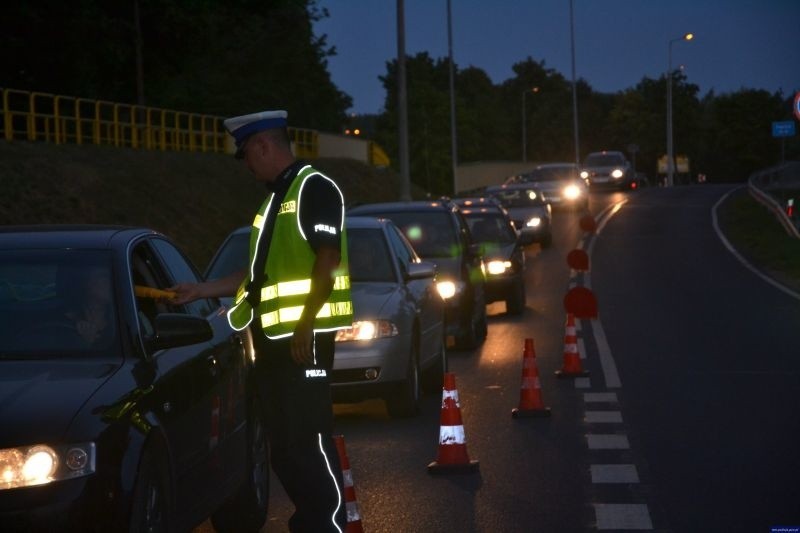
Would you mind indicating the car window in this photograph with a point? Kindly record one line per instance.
(490, 228)
(431, 233)
(182, 271)
(231, 257)
(402, 248)
(549, 174)
(57, 302)
(368, 255)
(603, 160)
(519, 197)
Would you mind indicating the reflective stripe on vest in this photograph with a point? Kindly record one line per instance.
(282, 298)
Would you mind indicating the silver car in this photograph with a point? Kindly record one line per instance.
(396, 346)
(560, 183)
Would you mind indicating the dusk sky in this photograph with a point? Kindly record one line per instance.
(753, 44)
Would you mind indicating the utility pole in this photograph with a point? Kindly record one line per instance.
(454, 148)
(402, 105)
(574, 87)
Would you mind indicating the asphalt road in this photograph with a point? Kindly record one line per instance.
(688, 420)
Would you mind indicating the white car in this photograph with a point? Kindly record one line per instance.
(559, 182)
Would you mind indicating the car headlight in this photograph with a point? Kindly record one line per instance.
(616, 173)
(534, 222)
(364, 330)
(571, 192)
(40, 464)
(498, 267)
(584, 174)
(448, 289)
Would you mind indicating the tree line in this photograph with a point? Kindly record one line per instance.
(237, 56)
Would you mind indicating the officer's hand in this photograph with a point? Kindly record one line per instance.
(301, 344)
(186, 292)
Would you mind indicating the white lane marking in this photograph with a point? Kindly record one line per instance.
(622, 516)
(604, 417)
(607, 362)
(610, 397)
(608, 442)
(741, 259)
(583, 383)
(614, 474)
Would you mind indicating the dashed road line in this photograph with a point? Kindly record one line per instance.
(614, 473)
(622, 516)
(604, 417)
(608, 441)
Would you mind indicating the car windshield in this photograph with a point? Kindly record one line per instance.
(550, 174)
(519, 197)
(368, 256)
(431, 233)
(56, 302)
(231, 258)
(490, 228)
(603, 160)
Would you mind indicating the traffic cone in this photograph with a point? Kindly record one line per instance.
(452, 457)
(572, 361)
(530, 394)
(353, 511)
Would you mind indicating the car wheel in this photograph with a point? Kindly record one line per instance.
(246, 510)
(150, 506)
(434, 376)
(547, 240)
(515, 305)
(403, 400)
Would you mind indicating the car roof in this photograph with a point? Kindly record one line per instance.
(363, 221)
(394, 207)
(554, 165)
(65, 235)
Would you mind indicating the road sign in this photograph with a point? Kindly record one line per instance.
(783, 129)
(796, 107)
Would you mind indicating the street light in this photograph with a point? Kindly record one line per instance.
(524, 129)
(670, 157)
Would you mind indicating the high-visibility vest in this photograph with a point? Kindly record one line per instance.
(287, 279)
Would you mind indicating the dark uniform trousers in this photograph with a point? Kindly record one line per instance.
(299, 416)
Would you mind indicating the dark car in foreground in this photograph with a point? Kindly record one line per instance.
(396, 345)
(439, 233)
(120, 411)
(560, 182)
(503, 250)
(528, 208)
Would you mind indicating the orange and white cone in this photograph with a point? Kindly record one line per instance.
(572, 361)
(530, 393)
(353, 511)
(452, 457)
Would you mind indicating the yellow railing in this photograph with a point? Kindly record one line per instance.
(36, 116)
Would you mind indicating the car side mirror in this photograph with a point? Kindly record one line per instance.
(177, 329)
(421, 270)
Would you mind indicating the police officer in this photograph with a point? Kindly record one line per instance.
(294, 295)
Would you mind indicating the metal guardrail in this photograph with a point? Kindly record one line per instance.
(37, 116)
(778, 188)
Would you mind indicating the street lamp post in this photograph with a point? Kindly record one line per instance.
(524, 121)
(670, 156)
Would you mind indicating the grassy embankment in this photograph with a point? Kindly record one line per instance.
(197, 199)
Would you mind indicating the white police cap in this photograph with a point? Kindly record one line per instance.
(246, 125)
